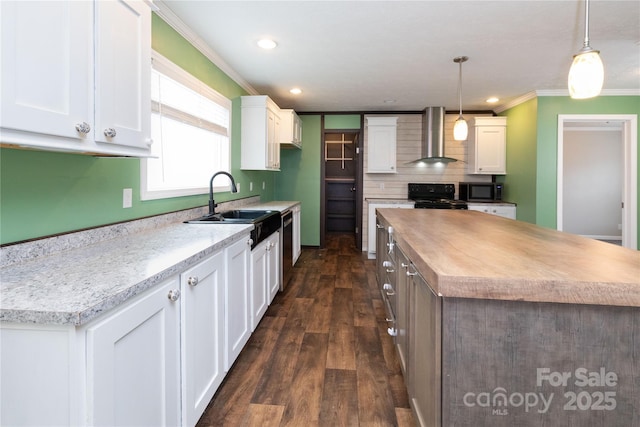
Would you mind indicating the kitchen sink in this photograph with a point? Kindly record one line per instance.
(264, 222)
(238, 216)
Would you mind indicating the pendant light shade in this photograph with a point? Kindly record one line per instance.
(586, 75)
(460, 128)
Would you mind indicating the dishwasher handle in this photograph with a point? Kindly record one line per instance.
(287, 219)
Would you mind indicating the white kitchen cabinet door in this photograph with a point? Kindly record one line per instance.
(506, 211)
(275, 265)
(297, 246)
(238, 306)
(202, 329)
(260, 134)
(259, 280)
(381, 144)
(488, 146)
(290, 129)
(133, 356)
(123, 73)
(47, 79)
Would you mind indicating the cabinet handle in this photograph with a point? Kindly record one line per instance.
(83, 128)
(388, 289)
(412, 274)
(378, 226)
(193, 281)
(404, 265)
(110, 132)
(174, 294)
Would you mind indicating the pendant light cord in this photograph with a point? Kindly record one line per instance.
(460, 87)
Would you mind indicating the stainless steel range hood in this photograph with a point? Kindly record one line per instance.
(433, 137)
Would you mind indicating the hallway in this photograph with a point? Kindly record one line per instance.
(321, 356)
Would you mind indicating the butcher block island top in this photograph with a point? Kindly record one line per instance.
(469, 254)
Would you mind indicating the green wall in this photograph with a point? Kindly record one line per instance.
(520, 181)
(342, 121)
(44, 193)
(547, 149)
(299, 178)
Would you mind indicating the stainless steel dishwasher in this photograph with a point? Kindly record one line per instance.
(287, 248)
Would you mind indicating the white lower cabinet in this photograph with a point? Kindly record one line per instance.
(503, 210)
(238, 304)
(275, 266)
(202, 328)
(297, 246)
(156, 360)
(133, 362)
(265, 276)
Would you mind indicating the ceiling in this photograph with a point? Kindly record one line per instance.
(398, 55)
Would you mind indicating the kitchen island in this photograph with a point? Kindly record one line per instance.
(511, 324)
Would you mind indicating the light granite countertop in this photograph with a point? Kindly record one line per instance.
(77, 284)
(467, 254)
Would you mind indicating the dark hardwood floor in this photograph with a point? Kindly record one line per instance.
(321, 356)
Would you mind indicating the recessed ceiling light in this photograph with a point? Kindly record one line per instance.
(493, 100)
(296, 91)
(267, 44)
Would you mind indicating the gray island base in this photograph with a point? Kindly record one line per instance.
(504, 323)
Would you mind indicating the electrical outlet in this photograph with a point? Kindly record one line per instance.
(238, 186)
(382, 185)
(264, 185)
(250, 186)
(127, 197)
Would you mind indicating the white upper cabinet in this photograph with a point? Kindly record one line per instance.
(260, 139)
(488, 146)
(46, 68)
(54, 54)
(381, 144)
(290, 129)
(123, 74)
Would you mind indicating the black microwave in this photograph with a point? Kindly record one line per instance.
(480, 191)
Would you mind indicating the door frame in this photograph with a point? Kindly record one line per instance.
(630, 170)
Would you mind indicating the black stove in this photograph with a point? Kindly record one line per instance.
(435, 196)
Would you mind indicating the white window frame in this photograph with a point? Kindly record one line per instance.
(168, 68)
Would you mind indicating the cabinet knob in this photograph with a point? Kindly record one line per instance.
(250, 242)
(404, 265)
(174, 294)
(110, 132)
(392, 331)
(193, 281)
(83, 128)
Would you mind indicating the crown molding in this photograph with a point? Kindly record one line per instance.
(517, 101)
(561, 92)
(167, 15)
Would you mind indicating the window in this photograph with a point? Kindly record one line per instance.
(191, 132)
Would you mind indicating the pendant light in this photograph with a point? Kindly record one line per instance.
(587, 72)
(460, 128)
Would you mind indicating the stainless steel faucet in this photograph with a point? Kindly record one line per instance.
(234, 189)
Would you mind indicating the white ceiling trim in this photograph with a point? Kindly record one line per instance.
(167, 15)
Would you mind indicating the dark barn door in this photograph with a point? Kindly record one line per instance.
(340, 181)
